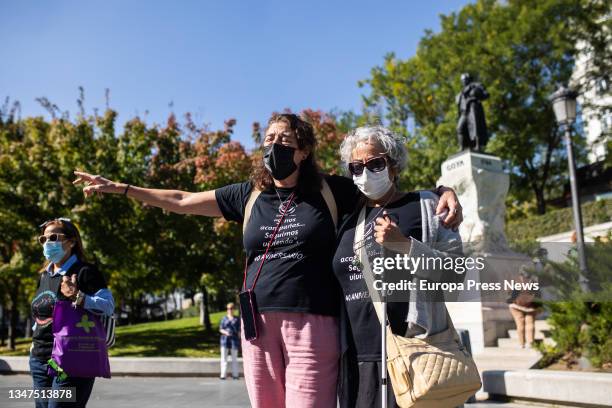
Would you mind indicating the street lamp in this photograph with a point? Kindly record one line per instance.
(564, 106)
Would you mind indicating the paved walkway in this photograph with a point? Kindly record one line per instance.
(130, 392)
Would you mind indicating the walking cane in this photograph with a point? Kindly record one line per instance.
(383, 336)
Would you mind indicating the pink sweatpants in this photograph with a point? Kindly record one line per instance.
(294, 361)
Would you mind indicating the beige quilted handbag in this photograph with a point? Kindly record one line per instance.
(435, 372)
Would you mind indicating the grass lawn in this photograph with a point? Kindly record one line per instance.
(22, 348)
(172, 338)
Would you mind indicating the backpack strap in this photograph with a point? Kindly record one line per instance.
(330, 201)
(325, 192)
(249, 207)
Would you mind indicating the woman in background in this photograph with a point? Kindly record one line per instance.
(524, 308)
(230, 338)
(66, 275)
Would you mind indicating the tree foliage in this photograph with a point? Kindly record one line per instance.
(141, 250)
(520, 50)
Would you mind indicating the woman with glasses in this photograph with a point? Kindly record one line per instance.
(65, 275)
(390, 222)
(288, 210)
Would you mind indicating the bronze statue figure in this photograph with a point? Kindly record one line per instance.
(471, 127)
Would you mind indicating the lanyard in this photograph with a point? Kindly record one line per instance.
(280, 221)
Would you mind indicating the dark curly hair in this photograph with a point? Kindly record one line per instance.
(309, 179)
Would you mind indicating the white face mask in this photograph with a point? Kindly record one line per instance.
(373, 185)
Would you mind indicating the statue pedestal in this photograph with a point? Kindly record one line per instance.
(482, 186)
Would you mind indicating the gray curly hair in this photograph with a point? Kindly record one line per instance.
(390, 143)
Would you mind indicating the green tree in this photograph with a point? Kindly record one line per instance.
(520, 50)
(29, 194)
(141, 250)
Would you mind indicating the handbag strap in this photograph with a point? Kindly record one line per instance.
(366, 271)
(330, 202)
(249, 207)
(278, 224)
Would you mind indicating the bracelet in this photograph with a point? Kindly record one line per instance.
(127, 187)
(438, 192)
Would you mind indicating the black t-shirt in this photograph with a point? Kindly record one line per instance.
(364, 323)
(297, 274)
(89, 280)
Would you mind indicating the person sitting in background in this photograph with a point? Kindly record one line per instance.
(524, 308)
(230, 337)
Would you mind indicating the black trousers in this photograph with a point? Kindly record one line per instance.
(369, 391)
(40, 379)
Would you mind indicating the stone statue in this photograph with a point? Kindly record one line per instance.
(471, 127)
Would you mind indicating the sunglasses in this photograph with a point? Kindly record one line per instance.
(53, 237)
(375, 165)
(62, 219)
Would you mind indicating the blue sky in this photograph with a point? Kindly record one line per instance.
(216, 59)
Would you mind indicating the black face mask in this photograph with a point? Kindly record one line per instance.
(278, 159)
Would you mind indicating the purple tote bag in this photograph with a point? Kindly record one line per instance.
(79, 345)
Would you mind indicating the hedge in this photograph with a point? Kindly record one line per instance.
(557, 221)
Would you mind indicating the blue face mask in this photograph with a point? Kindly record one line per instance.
(54, 251)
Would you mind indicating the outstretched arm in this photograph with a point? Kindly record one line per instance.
(180, 202)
